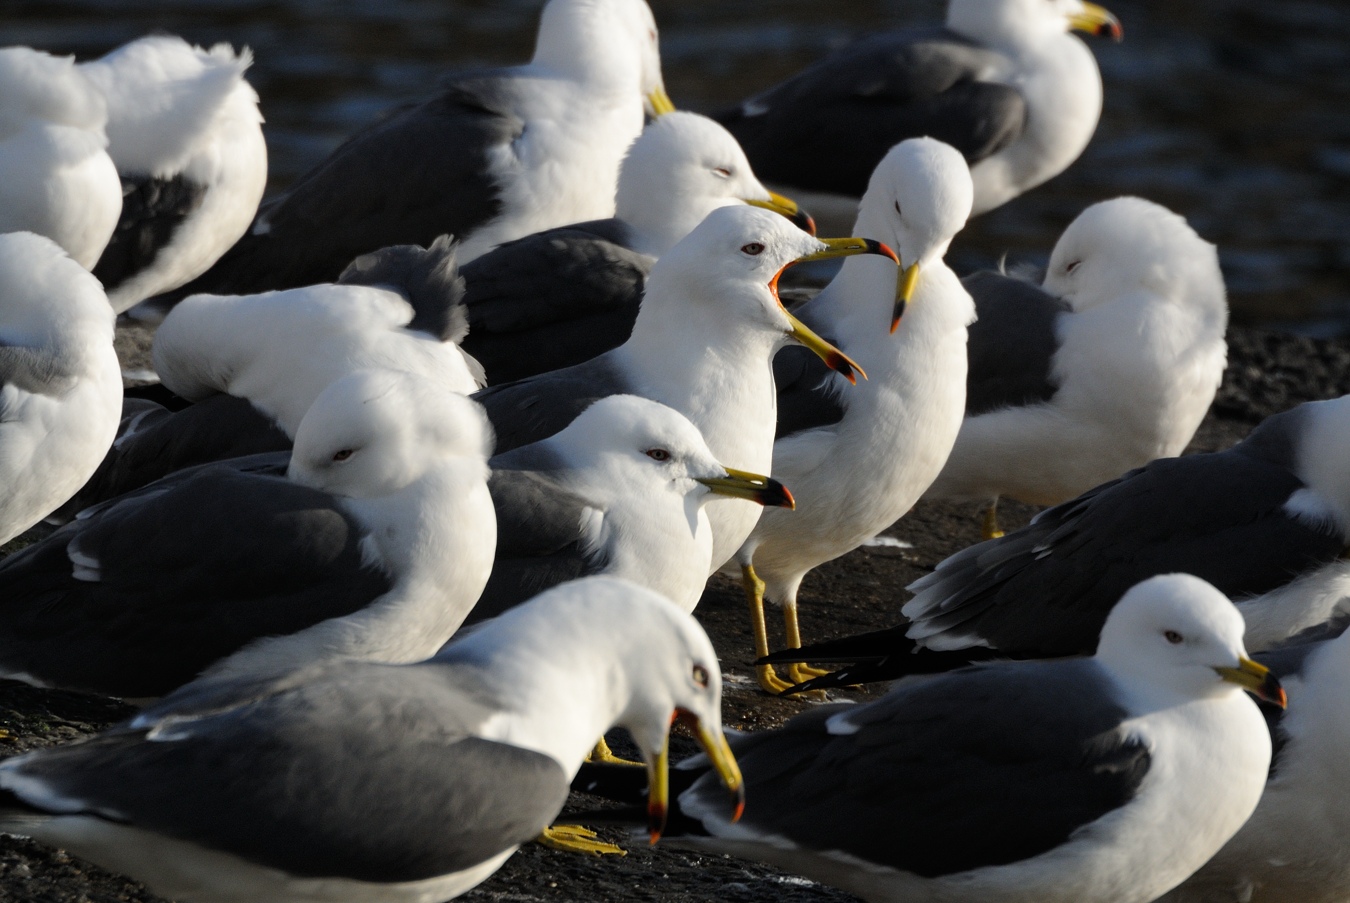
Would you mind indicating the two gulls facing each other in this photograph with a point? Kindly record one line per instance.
(415, 782)
(1100, 780)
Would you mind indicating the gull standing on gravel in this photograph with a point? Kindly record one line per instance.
(186, 136)
(356, 781)
(60, 382)
(56, 178)
(620, 492)
(703, 344)
(563, 296)
(876, 447)
(1004, 82)
(1096, 780)
(375, 545)
(496, 155)
(1110, 364)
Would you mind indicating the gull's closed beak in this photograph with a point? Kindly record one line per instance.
(1097, 21)
(904, 292)
(1257, 679)
(785, 206)
(741, 484)
(659, 103)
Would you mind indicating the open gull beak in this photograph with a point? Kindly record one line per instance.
(723, 762)
(789, 208)
(741, 484)
(904, 292)
(1257, 679)
(1095, 20)
(834, 247)
(660, 103)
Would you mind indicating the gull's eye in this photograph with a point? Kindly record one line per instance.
(1073, 266)
(723, 172)
(658, 454)
(701, 675)
(1173, 637)
(754, 249)
(344, 454)
(897, 209)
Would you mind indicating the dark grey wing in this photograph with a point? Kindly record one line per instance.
(541, 540)
(152, 211)
(535, 408)
(428, 277)
(981, 767)
(375, 779)
(139, 596)
(419, 173)
(1012, 344)
(1289, 661)
(152, 443)
(1046, 589)
(553, 299)
(807, 395)
(827, 127)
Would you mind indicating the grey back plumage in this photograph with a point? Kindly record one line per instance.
(428, 277)
(1012, 344)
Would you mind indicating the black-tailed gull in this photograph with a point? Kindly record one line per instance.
(621, 492)
(56, 178)
(186, 136)
(376, 545)
(562, 296)
(60, 382)
(496, 155)
(1267, 522)
(254, 364)
(703, 343)
(368, 782)
(1100, 780)
(1004, 83)
(1111, 363)
(857, 470)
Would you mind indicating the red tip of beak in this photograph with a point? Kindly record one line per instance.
(885, 251)
(844, 367)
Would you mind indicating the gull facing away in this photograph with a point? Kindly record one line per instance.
(416, 781)
(562, 296)
(254, 364)
(1110, 364)
(56, 178)
(872, 450)
(374, 545)
(1107, 779)
(60, 382)
(1267, 522)
(496, 155)
(1296, 846)
(621, 492)
(703, 344)
(1004, 82)
(186, 136)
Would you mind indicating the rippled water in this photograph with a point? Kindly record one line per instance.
(1235, 113)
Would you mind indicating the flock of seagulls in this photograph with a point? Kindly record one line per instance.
(447, 440)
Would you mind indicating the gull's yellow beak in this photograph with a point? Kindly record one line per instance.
(715, 744)
(789, 208)
(660, 103)
(741, 484)
(1257, 679)
(904, 293)
(1097, 21)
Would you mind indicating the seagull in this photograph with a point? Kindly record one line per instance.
(496, 155)
(1004, 82)
(375, 544)
(358, 781)
(185, 134)
(60, 382)
(254, 364)
(709, 326)
(1110, 364)
(863, 463)
(1107, 779)
(1294, 847)
(562, 296)
(1267, 522)
(621, 492)
(56, 178)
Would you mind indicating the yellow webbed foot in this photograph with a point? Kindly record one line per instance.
(576, 839)
(602, 754)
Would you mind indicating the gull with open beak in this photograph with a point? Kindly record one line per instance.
(562, 296)
(1004, 82)
(416, 782)
(858, 459)
(703, 344)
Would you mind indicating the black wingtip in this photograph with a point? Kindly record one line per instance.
(428, 277)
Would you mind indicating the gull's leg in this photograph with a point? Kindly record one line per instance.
(754, 594)
(990, 526)
(797, 671)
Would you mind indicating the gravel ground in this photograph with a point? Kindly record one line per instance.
(1268, 372)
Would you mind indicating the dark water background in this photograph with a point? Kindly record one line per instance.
(1235, 113)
